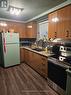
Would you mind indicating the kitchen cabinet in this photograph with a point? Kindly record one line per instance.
(31, 29)
(60, 15)
(64, 24)
(26, 57)
(52, 25)
(22, 55)
(37, 62)
(67, 22)
(60, 23)
(20, 28)
(15, 27)
(40, 64)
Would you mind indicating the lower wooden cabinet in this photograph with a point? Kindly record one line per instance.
(44, 67)
(21, 55)
(36, 61)
(26, 56)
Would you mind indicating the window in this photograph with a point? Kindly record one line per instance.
(42, 30)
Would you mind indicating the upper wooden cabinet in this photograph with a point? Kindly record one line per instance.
(64, 24)
(15, 27)
(20, 28)
(60, 23)
(52, 26)
(67, 22)
(31, 29)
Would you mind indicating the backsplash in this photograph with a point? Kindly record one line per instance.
(27, 41)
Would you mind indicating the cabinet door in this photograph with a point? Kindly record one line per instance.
(20, 28)
(64, 23)
(62, 27)
(40, 64)
(44, 66)
(26, 56)
(28, 30)
(36, 61)
(70, 21)
(52, 25)
(60, 32)
(30, 58)
(34, 30)
(21, 55)
(67, 21)
(31, 30)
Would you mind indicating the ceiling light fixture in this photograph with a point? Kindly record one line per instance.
(15, 10)
(3, 3)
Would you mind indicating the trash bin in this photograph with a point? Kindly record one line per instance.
(68, 85)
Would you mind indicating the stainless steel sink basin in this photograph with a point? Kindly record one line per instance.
(38, 49)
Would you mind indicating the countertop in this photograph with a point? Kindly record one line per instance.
(43, 53)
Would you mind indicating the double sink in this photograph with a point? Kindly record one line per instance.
(38, 49)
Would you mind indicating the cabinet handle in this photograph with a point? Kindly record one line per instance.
(55, 34)
(67, 33)
(43, 58)
(70, 33)
(43, 63)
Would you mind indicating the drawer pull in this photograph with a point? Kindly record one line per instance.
(43, 58)
(43, 63)
(67, 35)
(70, 33)
(55, 34)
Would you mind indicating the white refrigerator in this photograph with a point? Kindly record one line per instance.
(9, 49)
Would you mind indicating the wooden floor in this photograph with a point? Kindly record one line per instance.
(22, 80)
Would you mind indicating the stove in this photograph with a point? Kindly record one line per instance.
(58, 63)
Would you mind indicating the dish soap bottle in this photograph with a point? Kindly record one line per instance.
(46, 49)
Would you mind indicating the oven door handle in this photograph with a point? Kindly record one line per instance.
(58, 64)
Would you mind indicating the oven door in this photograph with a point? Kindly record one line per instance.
(57, 73)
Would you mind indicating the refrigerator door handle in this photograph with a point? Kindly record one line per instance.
(4, 45)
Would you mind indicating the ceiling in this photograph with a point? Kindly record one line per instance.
(32, 8)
